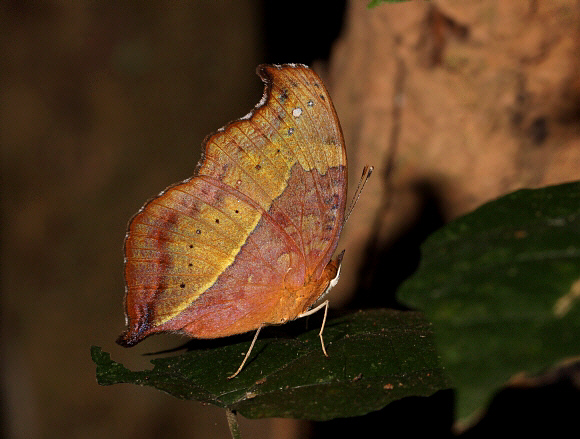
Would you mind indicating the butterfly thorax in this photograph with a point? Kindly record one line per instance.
(295, 301)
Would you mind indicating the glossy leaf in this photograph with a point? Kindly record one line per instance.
(502, 288)
(375, 357)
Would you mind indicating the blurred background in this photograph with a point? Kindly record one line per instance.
(104, 104)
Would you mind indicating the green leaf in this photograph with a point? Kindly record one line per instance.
(501, 286)
(375, 3)
(375, 357)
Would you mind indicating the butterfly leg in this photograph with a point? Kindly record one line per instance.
(312, 311)
(247, 355)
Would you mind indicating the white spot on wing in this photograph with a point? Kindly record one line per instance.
(262, 100)
(332, 283)
(247, 116)
(292, 65)
(297, 112)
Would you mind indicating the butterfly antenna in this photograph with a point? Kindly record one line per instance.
(366, 174)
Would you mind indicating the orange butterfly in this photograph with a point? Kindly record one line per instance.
(248, 240)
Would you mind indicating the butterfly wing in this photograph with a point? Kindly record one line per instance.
(247, 241)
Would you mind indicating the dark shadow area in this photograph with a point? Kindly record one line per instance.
(300, 32)
(547, 411)
(385, 268)
(289, 330)
(409, 417)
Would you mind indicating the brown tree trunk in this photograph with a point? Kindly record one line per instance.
(453, 101)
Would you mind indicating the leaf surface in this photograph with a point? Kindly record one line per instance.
(502, 288)
(375, 357)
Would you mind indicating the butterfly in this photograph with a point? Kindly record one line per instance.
(247, 241)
